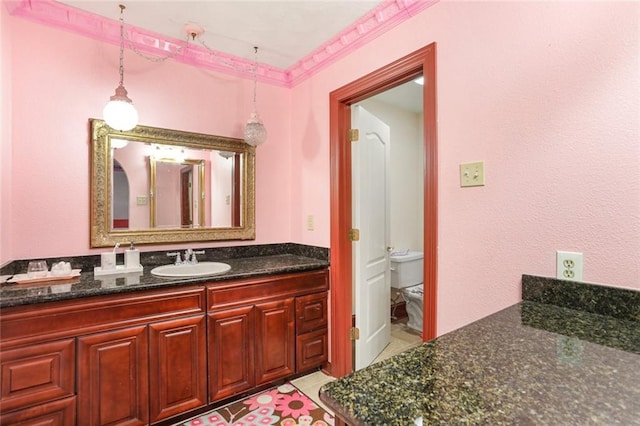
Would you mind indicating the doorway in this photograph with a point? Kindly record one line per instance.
(186, 202)
(120, 213)
(422, 62)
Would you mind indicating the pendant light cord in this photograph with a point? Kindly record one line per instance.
(122, 7)
(255, 78)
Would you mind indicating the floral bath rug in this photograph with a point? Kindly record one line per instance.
(281, 406)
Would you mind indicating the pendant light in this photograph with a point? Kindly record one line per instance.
(255, 132)
(119, 113)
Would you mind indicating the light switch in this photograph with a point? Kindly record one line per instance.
(141, 200)
(472, 174)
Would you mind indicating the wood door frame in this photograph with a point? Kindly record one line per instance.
(420, 62)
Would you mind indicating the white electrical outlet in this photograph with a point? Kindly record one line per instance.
(310, 224)
(569, 265)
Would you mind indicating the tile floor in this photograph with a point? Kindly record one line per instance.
(402, 339)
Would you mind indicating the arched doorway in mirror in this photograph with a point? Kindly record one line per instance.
(120, 213)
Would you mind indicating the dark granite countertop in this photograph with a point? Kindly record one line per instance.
(269, 260)
(563, 356)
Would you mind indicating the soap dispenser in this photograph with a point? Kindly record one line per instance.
(131, 257)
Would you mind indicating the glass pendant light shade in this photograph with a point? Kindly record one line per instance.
(255, 132)
(119, 113)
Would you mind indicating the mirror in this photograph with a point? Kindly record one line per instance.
(152, 186)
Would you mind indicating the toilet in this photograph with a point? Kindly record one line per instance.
(406, 276)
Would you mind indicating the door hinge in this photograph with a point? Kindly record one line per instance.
(354, 135)
(354, 234)
(354, 333)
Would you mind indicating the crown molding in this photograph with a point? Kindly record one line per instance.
(379, 20)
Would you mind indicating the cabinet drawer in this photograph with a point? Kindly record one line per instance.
(243, 292)
(312, 350)
(311, 312)
(37, 373)
(56, 413)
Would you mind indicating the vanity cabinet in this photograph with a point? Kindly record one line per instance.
(144, 374)
(109, 361)
(141, 375)
(145, 357)
(254, 330)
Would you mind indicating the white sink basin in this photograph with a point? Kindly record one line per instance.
(202, 269)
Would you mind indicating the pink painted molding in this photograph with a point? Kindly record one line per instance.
(379, 20)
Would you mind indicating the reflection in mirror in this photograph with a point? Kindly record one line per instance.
(120, 197)
(177, 193)
(153, 185)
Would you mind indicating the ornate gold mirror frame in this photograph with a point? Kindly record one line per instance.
(103, 233)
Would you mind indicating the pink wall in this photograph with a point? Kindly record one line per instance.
(6, 249)
(50, 140)
(547, 94)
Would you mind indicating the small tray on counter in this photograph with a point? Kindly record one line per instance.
(25, 279)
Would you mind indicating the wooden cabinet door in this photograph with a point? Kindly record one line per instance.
(177, 367)
(231, 352)
(113, 378)
(275, 340)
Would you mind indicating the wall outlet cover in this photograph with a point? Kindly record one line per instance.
(569, 265)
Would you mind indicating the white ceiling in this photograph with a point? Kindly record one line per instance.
(407, 96)
(285, 31)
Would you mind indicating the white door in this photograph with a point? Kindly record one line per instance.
(371, 276)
